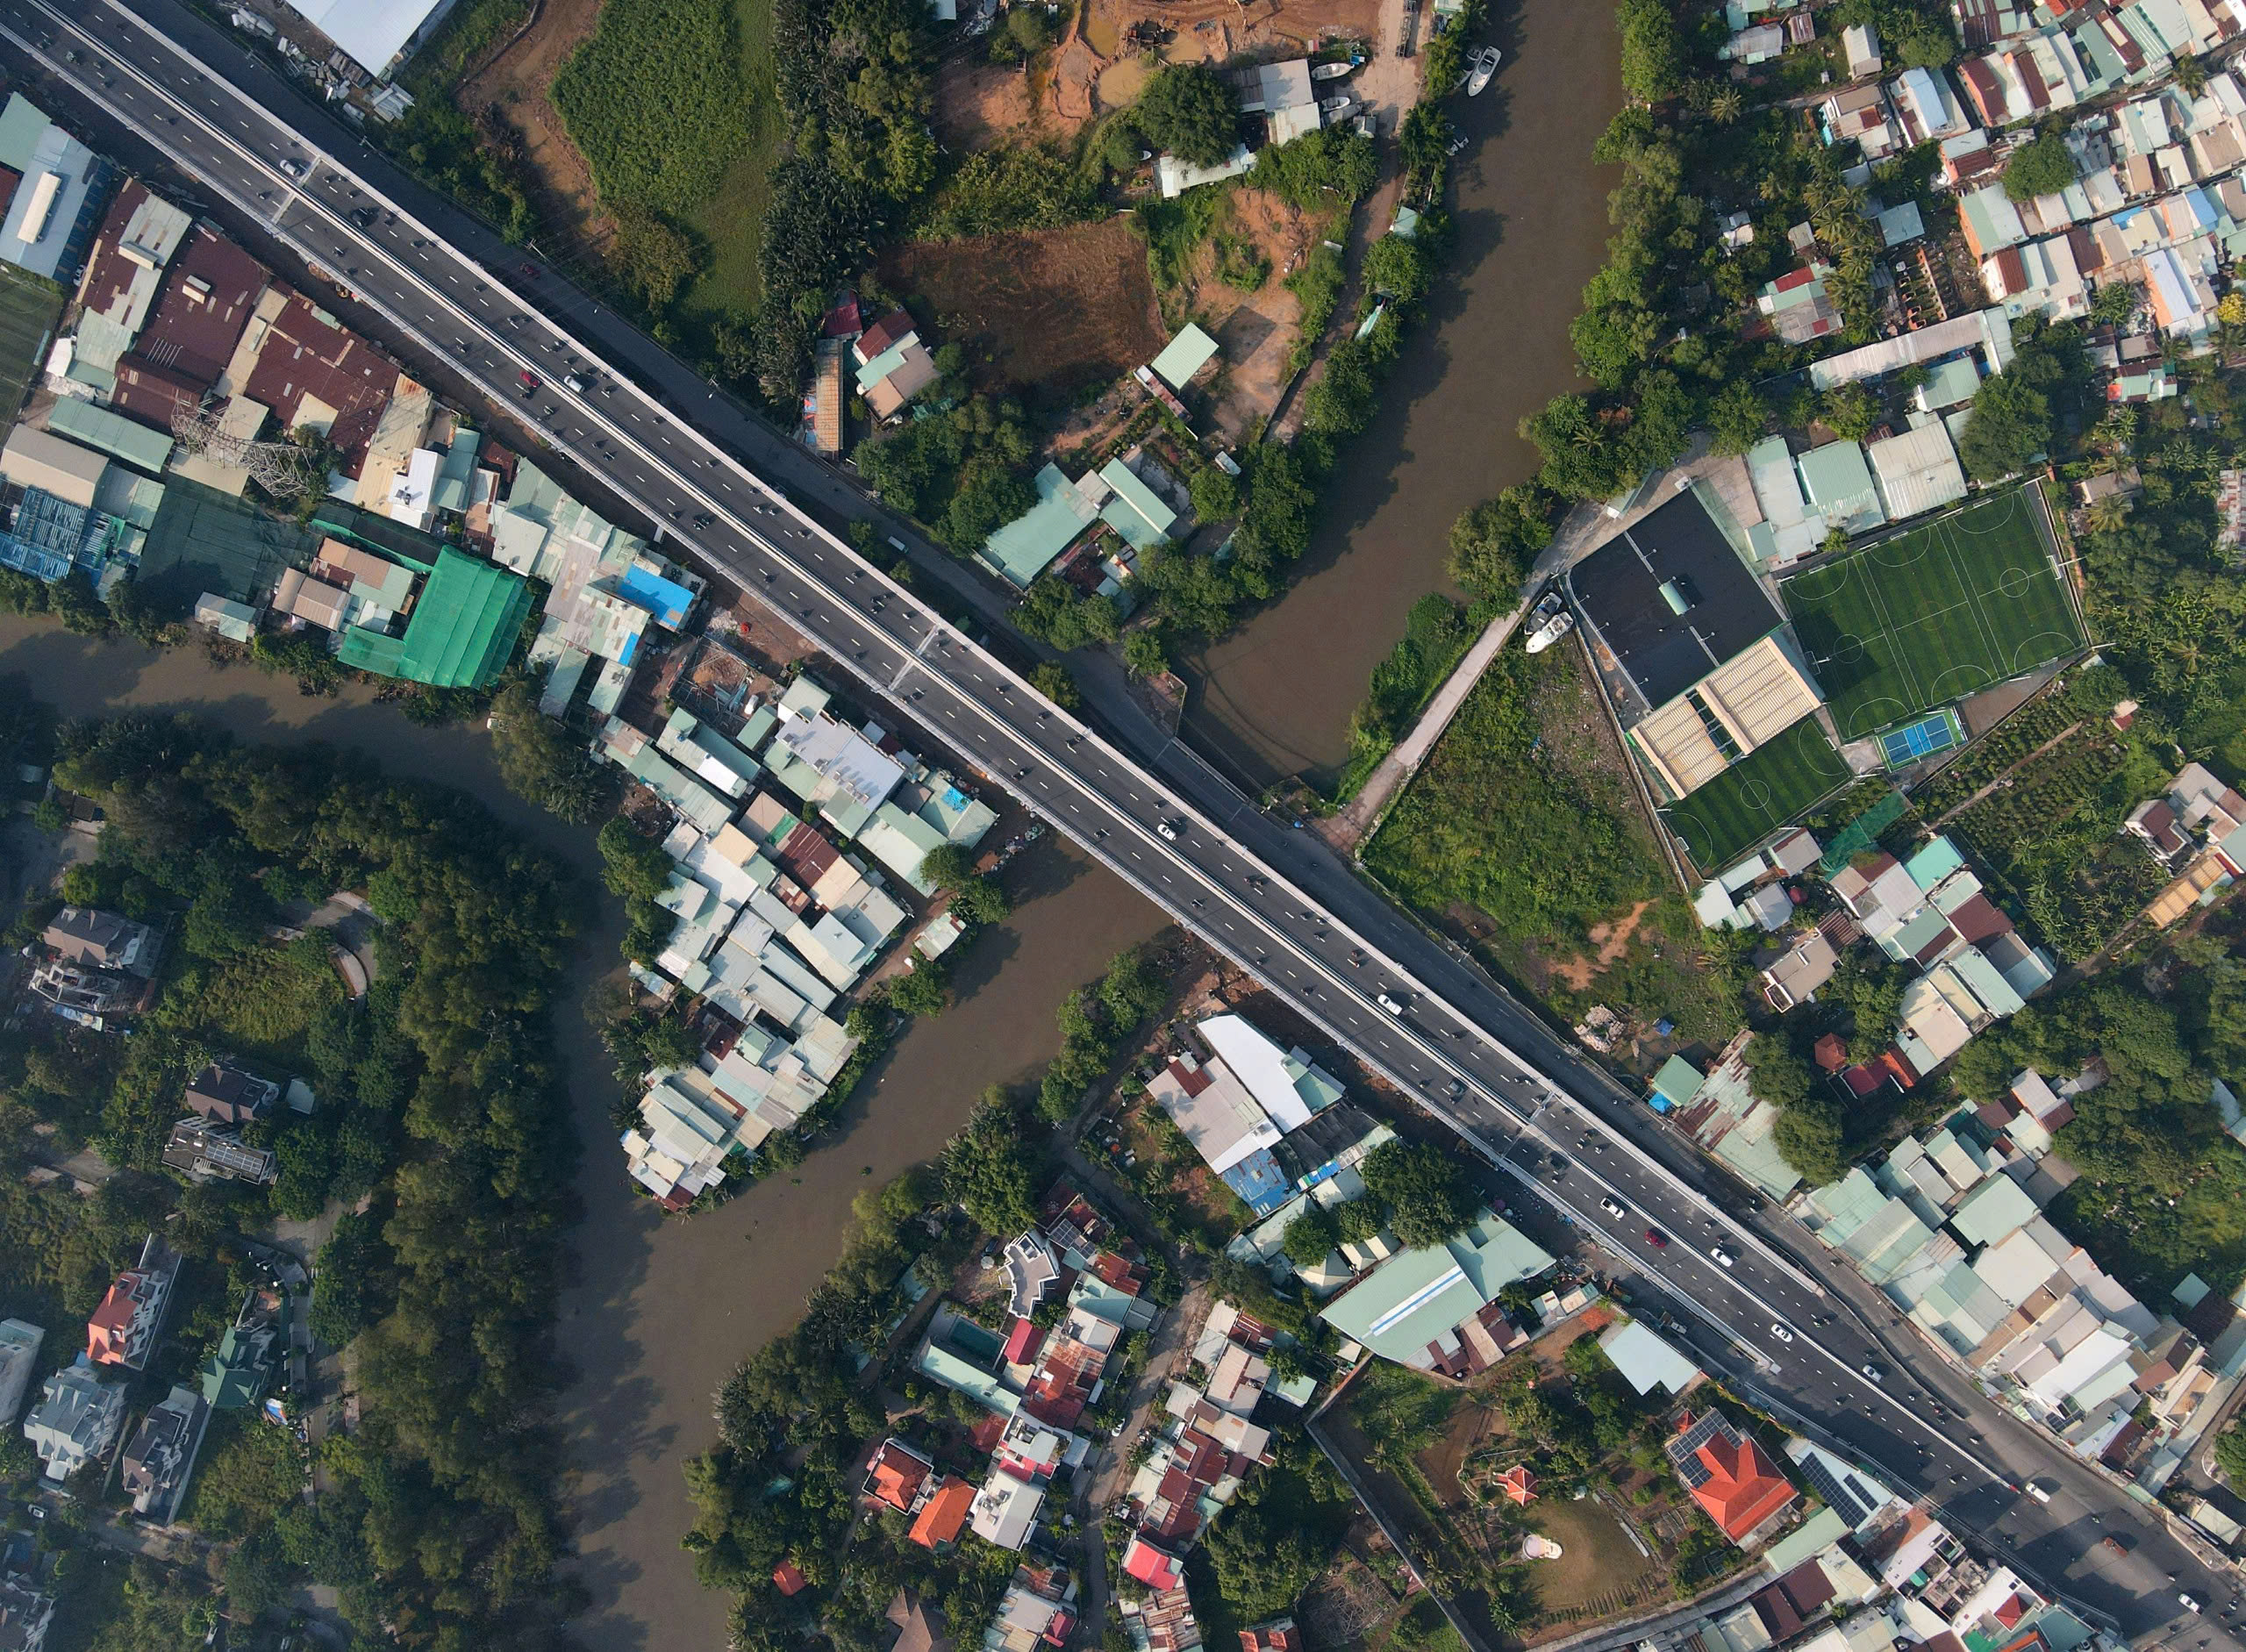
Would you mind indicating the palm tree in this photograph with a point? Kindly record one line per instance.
(2109, 512)
(1726, 106)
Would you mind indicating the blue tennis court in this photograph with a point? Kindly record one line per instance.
(1914, 742)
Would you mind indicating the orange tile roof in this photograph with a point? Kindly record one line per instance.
(112, 1322)
(1744, 1488)
(943, 1514)
(894, 1477)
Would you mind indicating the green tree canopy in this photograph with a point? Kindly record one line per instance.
(1143, 652)
(987, 1169)
(924, 990)
(1428, 1195)
(1310, 1237)
(1493, 544)
(2009, 424)
(2043, 167)
(541, 760)
(1736, 417)
(1191, 110)
(947, 866)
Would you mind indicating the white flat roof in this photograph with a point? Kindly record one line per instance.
(372, 31)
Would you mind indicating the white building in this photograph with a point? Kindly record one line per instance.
(77, 1419)
(1006, 1510)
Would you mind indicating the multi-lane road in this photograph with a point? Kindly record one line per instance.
(728, 493)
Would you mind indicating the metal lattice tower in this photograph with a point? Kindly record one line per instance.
(281, 468)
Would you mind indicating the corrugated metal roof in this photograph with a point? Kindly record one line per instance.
(112, 433)
(1917, 471)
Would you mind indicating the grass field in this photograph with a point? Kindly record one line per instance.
(672, 103)
(29, 308)
(1772, 786)
(1932, 615)
(732, 221)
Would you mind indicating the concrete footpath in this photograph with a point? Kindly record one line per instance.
(1347, 827)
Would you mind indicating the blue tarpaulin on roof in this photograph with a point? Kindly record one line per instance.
(1259, 1180)
(666, 599)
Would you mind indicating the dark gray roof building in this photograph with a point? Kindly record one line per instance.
(1670, 599)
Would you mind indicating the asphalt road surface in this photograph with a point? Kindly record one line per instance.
(724, 489)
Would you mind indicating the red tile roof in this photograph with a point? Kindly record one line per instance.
(884, 333)
(792, 1581)
(1979, 920)
(149, 392)
(109, 272)
(1278, 1635)
(1156, 1568)
(1744, 1488)
(944, 1513)
(1022, 1342)
(895, 1477)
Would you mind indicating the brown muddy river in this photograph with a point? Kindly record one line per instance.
(659, 1312)
(1529, 229)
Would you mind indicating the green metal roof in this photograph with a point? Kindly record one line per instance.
(1417, 1295)
(115, 435)
(458, 471)
(22, 125)
(1022, 549)
(233, 1378)
(463, 630)
(1678, 1082)
(1184, 356)
(1142, 518)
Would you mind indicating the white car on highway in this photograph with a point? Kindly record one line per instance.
(1612, 1209)
(1780, 1332)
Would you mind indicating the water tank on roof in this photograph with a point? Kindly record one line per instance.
(1677, 595)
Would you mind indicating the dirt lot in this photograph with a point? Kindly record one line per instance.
(1093, 69)
(981, 105)
(1049, 312)
(1255, 331)
(513, 89)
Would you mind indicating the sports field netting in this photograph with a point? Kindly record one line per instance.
(29, 309)
(1915, 742)
(1772, 786)
(1929, 616)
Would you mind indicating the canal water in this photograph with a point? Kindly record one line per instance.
(1529, 230)
(657, 1313)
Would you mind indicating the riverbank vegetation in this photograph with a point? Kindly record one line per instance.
(439, 1109)
(795, 1416)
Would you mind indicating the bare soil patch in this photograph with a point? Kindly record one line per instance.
(1255, 331)
(981, 105)
(1048, 312)
(513, 92)
(1611, 938)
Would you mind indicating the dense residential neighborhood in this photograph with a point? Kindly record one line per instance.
(781, 583)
